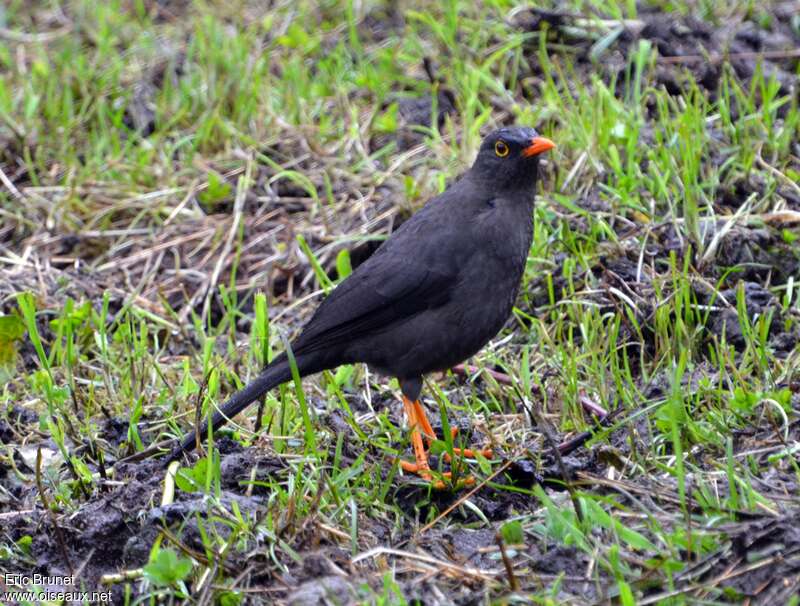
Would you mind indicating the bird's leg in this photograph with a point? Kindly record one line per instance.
(421, 466)
(419, 425)
(422, 419)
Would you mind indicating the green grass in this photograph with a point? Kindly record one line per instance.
(271, 155)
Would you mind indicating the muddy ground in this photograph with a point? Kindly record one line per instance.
(115, 525)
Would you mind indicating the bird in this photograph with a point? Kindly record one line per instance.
(432, 295)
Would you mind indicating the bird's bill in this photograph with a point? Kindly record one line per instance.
(537, 146)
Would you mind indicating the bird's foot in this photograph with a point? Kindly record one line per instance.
(426, 474)
(467, 453)
(418, 421)
(430, 435)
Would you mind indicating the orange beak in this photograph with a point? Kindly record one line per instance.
(537, 146)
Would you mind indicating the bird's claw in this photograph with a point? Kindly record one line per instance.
(467, 453)
(426, 474)
(420, 425)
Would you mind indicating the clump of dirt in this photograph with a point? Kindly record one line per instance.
(239, 470)
(623, 275)
(329, 589)
(174, 262)
(15, 423)
(691, 50)
(129, 510)
(724, 321)
(84, 535)
(767, 549)
(415, 114)
(760, 255)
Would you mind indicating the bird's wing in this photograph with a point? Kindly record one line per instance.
(386, 289)
(415, 269)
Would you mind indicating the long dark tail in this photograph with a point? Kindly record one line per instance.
(277, 372)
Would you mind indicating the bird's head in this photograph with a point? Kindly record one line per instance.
(509, 158)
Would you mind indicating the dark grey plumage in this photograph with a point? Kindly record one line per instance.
(436, 291)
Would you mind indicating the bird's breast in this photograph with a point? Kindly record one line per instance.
(491, 279)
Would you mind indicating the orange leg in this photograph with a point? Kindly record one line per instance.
(419, 425)
(421, 466)
(422, 418)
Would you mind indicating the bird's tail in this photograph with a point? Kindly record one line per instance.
(277, 372)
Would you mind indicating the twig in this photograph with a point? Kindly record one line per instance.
(763, 164)
(781, 217)
(571, 445)
(468, 369)
(512, 579)
(334, 531)
(191, 191)
(592, 406)
(262, 402)
(119, 577)
(10, 515)
(556, 448)
(168, 497)
(484, 575)
(238, 204)
(15, 193)
(155, 449)
(716, 57)
(711, 250)
(24, 38)
(56, 528)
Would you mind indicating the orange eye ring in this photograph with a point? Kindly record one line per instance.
(501, 149)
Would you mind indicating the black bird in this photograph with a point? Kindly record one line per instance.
(431, 295)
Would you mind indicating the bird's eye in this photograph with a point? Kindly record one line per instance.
(501, 149)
